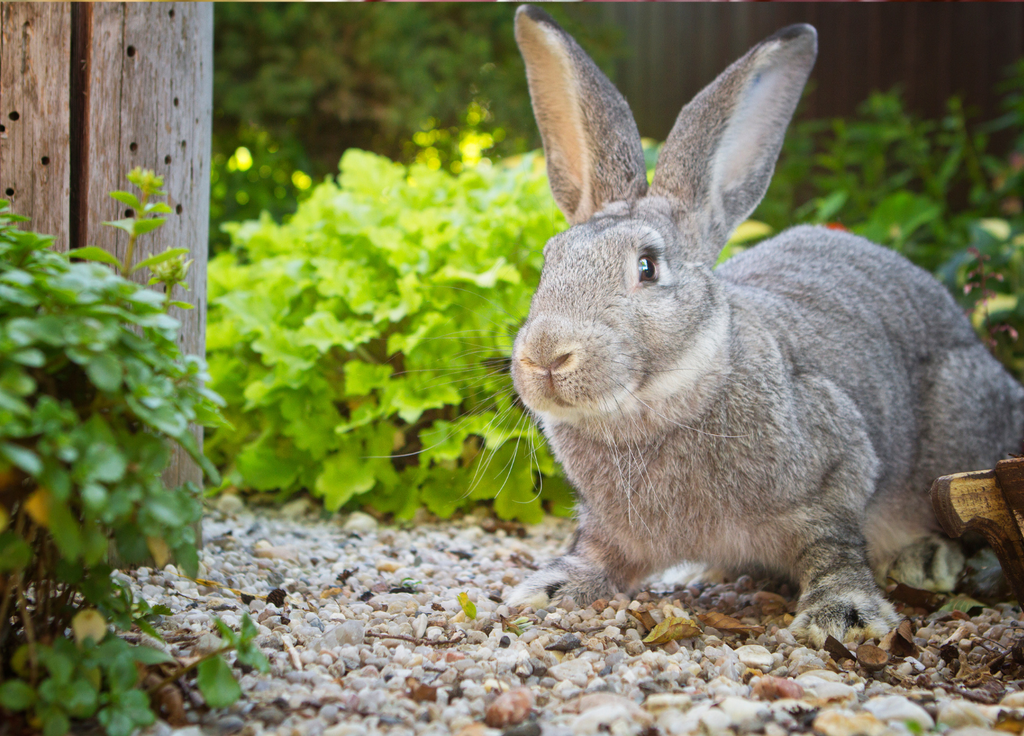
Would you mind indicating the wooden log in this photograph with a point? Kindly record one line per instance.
(990, 502)
(35, 66)
(151, 105)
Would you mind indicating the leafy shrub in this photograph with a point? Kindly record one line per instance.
(92, 390)
(362, 346)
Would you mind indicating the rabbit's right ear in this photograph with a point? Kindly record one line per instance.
(590, 139)
(719, 158)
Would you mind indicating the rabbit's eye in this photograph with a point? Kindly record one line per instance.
(648, 269)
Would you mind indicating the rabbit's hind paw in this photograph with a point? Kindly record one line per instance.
(932, 563)
(847, 616)
(563, 577)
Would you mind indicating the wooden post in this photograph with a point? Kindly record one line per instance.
(35, 48)
(89, 92)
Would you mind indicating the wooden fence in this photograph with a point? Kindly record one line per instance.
(933, 50)
(90, 91)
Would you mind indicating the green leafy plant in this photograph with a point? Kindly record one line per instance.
(93, 389)
(214, 677)
(362, 345)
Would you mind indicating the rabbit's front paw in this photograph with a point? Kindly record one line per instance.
(852, 615)
(568, 576)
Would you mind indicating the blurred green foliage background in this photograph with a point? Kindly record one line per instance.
(297, 84)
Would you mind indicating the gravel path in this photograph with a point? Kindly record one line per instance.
(370, 638)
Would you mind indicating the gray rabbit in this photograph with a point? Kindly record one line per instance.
(785, 412)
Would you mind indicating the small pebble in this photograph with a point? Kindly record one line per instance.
(509, 708)
(360, 523)
(899, 708)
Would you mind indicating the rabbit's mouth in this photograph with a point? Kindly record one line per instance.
(563, 388)
(567, 369)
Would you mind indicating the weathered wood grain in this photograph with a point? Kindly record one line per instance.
(35, 65)
(975, 502)
(151, 105)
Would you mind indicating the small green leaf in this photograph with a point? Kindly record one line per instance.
(160, 208)
(127, 224)
(187, 558)
(149, 655)
(468, 607)
(94, 253)
(55, 722)
(16, 695)
(105, 372)
(182, 305)
(159, 257)
(15, 553)
(962, 603)
(144, 226)
(21, 457)
(31, 357)
(216, 683)
(127, 198)
(80, 698)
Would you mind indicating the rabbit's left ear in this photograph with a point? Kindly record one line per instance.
(590, 139)
(718, 160)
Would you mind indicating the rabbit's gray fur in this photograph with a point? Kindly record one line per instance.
(786, 411)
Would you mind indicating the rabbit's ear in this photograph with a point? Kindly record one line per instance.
(719, 157)
(590, 139)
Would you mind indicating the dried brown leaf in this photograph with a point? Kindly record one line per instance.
(772, 604)
(728, 624)
(419, 692)
(837, 649)
(1009, 721)
(673, 629)
(900, 641)
(915, 597)
(645, 618)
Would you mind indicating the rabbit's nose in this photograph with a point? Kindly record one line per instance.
(550, 366)
(564, 361)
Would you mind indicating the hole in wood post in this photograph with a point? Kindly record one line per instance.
(179, 209)
(170, 12)
(175, 101)
(3, 128)
(45, 160)
(131, 51)
(14, 115)
(9, 192)
(183, 145)
(133, 146)
(129, 213)
(167, 159)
